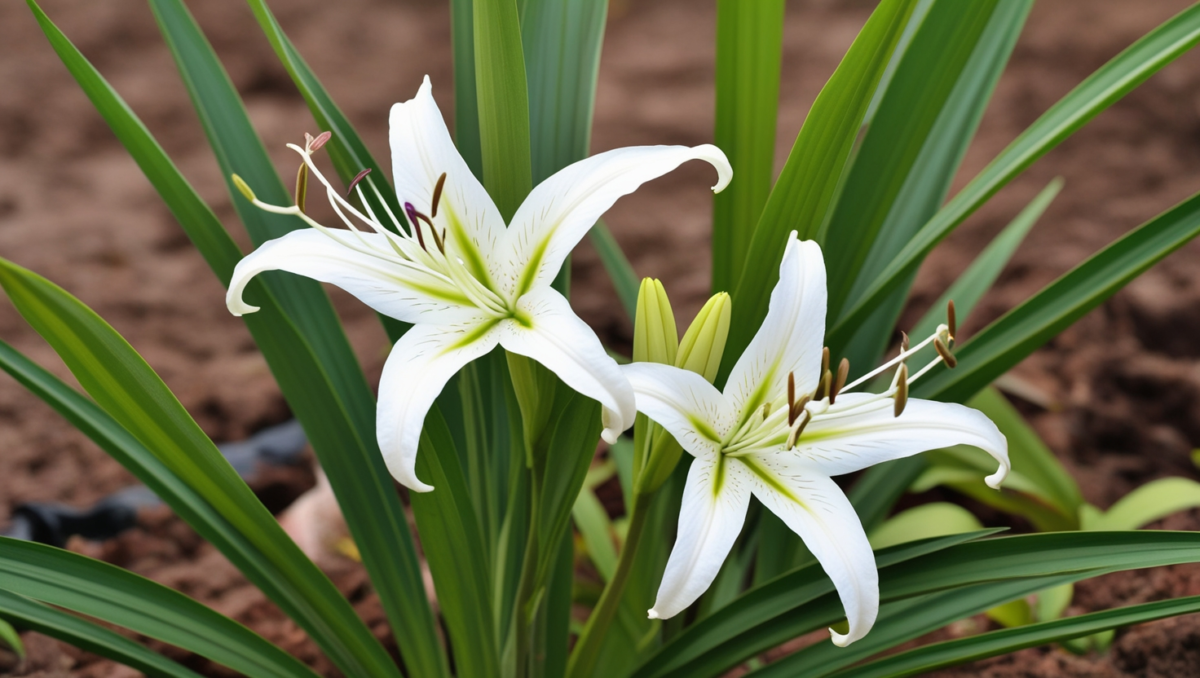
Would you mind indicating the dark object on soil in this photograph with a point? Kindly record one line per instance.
(53, 523)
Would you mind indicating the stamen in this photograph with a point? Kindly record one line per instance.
(437, 194)
(357, 178)
(797, 408)
(951, 320)
(414, 219)
(320, 141)
(823, 386)
(791, 398)
(903, 342)
(824, 361)
(901, 389)
(243, 187)
(301, 186)
(795, 434)
(766, 410)
(946, 355)
(842, 373)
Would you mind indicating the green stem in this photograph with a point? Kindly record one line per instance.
(583, 658)
(522, 616)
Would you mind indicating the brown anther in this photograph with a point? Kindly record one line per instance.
(301, 186)
(842, 373)
(947, 356)
(901, 390)
(791, 397)
(794, 436)
(824, 360)
(438, 239)
(308, 141)
(320, 141)
(357, 178)
(437, 194)
(903, 342)
(951, 319)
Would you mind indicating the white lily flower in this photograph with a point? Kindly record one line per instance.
(464, 281)
(779, 431)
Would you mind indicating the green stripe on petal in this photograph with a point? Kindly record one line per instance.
(771, 481)
(476, 333)
(465, 246)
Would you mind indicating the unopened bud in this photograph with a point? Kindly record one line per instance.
(655, 339)
(703, 344)
(243, 187)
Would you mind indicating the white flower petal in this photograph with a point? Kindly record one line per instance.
(417, 369)
(856, 440)
(790, 338)
(714, 506)
(421, 151)
(558, 339)
(401, 292)
(814, 507)
(683, 403)
(560, 210)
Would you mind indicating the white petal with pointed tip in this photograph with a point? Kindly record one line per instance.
(417, 369)
(790, 339)
(391, 289)
(683, 403)
(558, 339)
(421, 151)
(856, 440)
(714, 506)
(817, 510)
(560, 210)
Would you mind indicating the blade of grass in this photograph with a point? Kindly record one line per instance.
(85, 635)
(1108, 84)
(111, 594)
(749, 53)
(620, 271)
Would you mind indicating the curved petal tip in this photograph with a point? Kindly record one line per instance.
(610, 435)
(993, 481)
(653, 614)
(716, 157)
(840, 639)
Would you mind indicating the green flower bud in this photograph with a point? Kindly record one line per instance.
(703, 344)
(655, 339)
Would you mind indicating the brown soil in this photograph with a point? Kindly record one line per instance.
(75, 208)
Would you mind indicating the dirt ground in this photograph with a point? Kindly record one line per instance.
(73, 207)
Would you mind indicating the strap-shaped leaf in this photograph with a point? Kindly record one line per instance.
(749, 53)
(620, 271)
(88, 636)
(344, 443)
(767, 602)
(111, 594)
(1111, 82)
(503, 100)
(804, 600)
(805, 189)
(453, 544)
(952, 653)
(924, 79)
(1018, 333)
(904, 620)
(133, 395)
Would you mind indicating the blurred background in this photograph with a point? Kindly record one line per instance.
(1117, 396)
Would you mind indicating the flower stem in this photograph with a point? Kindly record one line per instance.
(583, 658)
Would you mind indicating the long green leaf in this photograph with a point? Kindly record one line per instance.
(749, 52)
(503, 100)
(1007, 341)
(952, 653)
(916, 94)
(806, 187)
(804, 600)
(930, 176)
(765, 602)
(111, 594)
(904, 620)
(11, 639)
(124, 385)
(87, 636)
(453, 544)
(466, 97)
(1112, 81)
(1153, 501)
(340, 422)
(620, 271)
